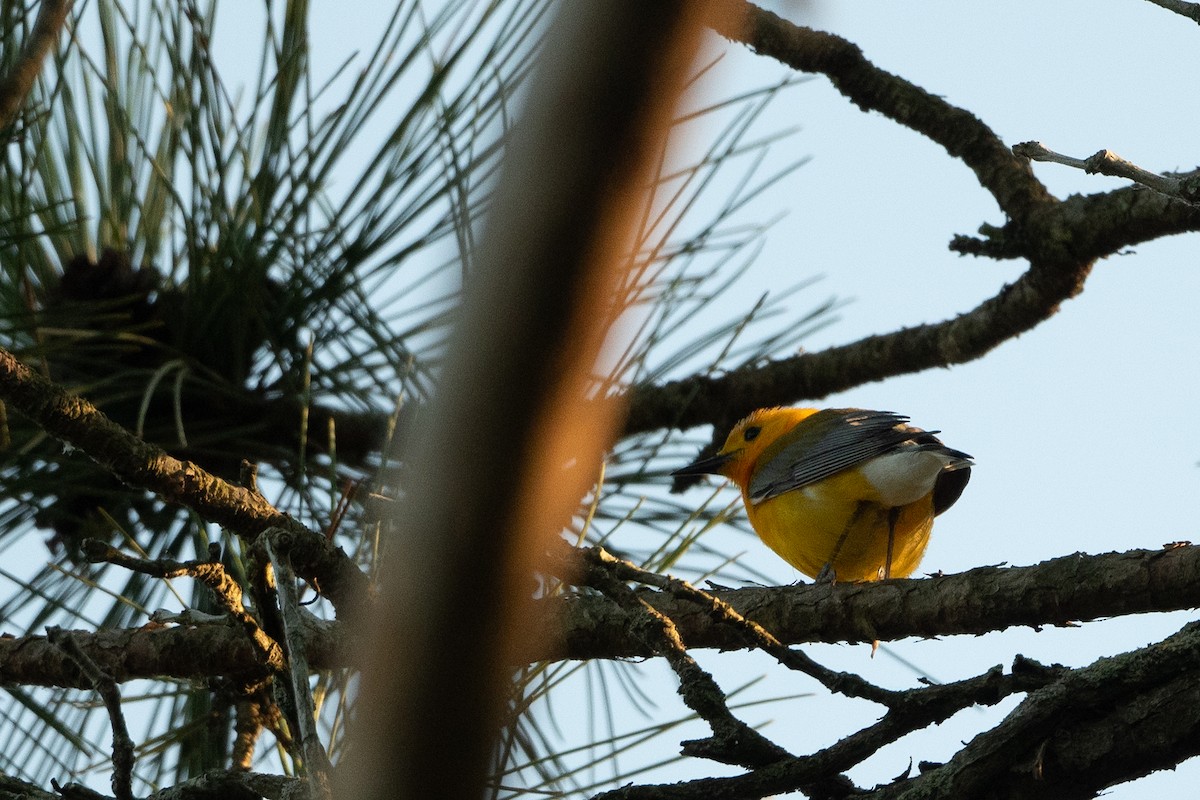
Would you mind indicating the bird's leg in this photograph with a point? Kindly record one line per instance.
(827, 573)
(893, 516)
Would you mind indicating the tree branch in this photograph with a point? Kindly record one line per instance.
(188, 651)
(1181, 7)
(732, 741)
(1073, 738)
(1077, 732)
(1105, 162)
(1061, 591)
(1093, 225)
(818, 775)
(870, 88)
(1083, 587)
(106, 687)
(80, 424)
(211, 573)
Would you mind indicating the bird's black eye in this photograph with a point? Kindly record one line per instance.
(751, 433)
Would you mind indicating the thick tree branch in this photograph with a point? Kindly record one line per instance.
(185, 651)
(1061, 591)
(1056, 273)
(1181, 7)
(721, 400)
(80, 424)
(16, 788)
(1080, 733)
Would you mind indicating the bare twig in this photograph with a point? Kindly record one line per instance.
(212, 574)
(106, 687)
(1106, 162)
(15, 86)
(316, 760)
(841, 682)
(733, 741)
(1086, 587)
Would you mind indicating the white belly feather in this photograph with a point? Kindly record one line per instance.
(905, 476)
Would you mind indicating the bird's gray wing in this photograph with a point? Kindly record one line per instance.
(843, 438)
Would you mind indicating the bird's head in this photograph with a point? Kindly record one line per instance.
(749, 440)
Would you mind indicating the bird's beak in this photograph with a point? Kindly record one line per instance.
(705, 466)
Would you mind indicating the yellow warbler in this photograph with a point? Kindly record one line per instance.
(843, 493)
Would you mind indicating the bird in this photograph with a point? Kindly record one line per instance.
(841, 494)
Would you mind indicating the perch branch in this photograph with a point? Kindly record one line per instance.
(1085, 587)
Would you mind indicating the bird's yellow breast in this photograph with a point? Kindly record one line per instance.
(840, 521)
